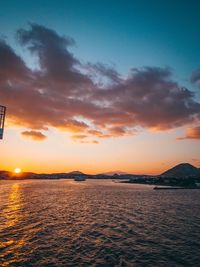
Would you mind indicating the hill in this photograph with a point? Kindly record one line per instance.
(183, 170)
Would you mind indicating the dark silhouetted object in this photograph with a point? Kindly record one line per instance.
(2, 120)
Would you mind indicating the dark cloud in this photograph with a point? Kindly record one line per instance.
(34, 135)
(150, 98)
(11, 65)
(57, 64)
(65, 94)
(103, 74)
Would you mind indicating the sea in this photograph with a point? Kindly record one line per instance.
(97, 223)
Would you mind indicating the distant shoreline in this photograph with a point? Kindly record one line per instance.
(183, 175)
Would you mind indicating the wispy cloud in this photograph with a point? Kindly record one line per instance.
(34, 135)
(192, 133)
(195, 78)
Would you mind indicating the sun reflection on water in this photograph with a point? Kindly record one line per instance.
(13, 208)
(12, 216)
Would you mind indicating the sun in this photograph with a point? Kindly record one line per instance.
(17, 170)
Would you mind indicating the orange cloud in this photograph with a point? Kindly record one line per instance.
(78, 136)
(192, 133)
(34, 135)
(83, 139)
(89, 142)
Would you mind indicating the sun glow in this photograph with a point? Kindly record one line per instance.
(17, 170)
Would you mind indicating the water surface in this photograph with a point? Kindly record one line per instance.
(97, 223)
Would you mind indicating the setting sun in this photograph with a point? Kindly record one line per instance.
(17, 170)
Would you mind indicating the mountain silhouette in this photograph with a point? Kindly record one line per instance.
(183, 170)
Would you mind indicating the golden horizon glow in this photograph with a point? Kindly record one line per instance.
(147, 153)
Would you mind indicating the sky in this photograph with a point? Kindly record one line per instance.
(99, 86)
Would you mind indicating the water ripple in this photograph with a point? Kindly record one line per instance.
(97, 223)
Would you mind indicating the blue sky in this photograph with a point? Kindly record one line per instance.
(126, 34)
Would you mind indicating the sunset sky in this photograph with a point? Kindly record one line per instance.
(100, 86)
